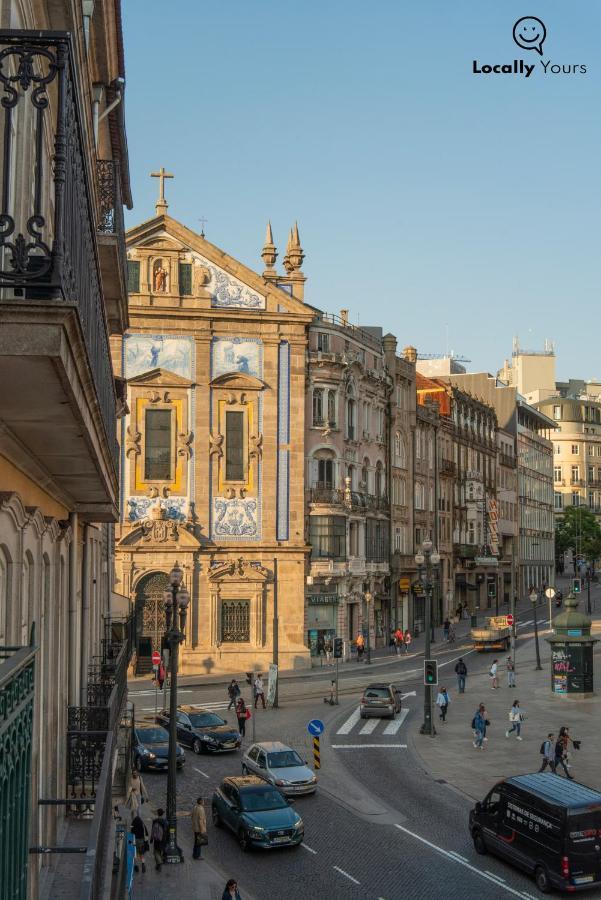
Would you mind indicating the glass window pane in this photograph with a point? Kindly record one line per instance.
(234, 446)
(185, 278)
(157, 461)
(133, 276)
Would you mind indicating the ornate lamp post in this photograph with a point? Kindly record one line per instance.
(176, 599)
(431, 558)
(534, 601)
(368, 600)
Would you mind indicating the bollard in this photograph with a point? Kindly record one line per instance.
(316, 755)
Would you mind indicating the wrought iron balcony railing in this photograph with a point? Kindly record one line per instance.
(48, 242)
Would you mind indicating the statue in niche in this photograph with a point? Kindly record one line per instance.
(160, 277)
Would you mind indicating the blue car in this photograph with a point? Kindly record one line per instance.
(151, 748)
(257, 813)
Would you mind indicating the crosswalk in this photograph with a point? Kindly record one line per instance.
(383, 726)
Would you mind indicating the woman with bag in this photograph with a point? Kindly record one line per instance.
(199, 827)
(137, 794)
(442, 701)
(242, 714)
(407, 640)
(516, 717)
(140, 833)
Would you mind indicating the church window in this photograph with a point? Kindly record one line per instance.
(185, 279)
(157, 455)
(133, 276)
(235, 621)
(234, 446)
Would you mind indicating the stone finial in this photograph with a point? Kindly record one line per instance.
(269, 253)
(295, 254)
(410, 354)
(286, 261)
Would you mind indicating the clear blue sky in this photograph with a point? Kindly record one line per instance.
(425, 195)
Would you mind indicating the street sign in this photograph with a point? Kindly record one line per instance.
(550, 593)
(509, 619)
(404, 584)
(156, 658)
(315, 727)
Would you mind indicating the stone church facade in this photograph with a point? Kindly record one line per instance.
(211, 449)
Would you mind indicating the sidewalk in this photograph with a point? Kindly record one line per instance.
(381, 658)
(450, 755)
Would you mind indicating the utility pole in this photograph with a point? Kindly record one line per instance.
(430, 557)
(276, 633)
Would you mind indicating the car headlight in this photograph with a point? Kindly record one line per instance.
(280, 782)
(209, 739)
(151, 755)
(299, 825)
(314, 779)
(257, 831)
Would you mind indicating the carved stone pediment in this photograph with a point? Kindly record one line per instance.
(160, 378)
(238, 570)
(163, 243)
(160, 533)
(238, 381)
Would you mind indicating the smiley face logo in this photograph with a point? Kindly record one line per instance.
(529, 33)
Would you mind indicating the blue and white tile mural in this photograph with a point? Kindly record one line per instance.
(236, 355)
(227, 291)
(139, 508)
(144, 352)
(235, 519)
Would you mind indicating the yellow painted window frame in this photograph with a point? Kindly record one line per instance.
(176, 408)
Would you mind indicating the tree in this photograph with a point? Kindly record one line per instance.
(579, 531)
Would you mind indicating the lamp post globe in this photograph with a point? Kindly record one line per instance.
(420, 559)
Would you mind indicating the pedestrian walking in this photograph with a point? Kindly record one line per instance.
(442, 701)
(140, 833)
(561, 754)
(516, 717)
(547, 749)
(493, 674)
(137, 794)
(231, 891)
(566, 739)
(259, 690)
(510, 672)
(398, 637)
(242, 714)
(445, 629)
(360, 642)
(233, 692)
(479, 725)
(407, 640)
(461, 672)
(158, 837)
(161, 675)
(328, 649)
(199, 827)
(451, 637)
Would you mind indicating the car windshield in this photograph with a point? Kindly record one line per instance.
(152, 735)
(284, 759)
(204, 720)
(262, 798)
(377, 692)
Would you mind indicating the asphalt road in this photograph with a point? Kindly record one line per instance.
(378, 826)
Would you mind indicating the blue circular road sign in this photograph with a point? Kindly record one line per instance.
(315, 727)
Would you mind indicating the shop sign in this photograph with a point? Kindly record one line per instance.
(322, 599)
(404, 584)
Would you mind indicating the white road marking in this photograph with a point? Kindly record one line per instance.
(310, 849)
(458, 855)
(159, 692)
(461, 862)
(492, 874)
(393, 727)
(350, 722)
(200, 772)
(369, 726)
(523, 624)
(346, 875)
(369, 746)
(410, 694)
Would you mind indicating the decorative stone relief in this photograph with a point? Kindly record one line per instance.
(235, 518)
(159, 531)
(184, 441)
(132, 442)
(216, 444)
(256, 446)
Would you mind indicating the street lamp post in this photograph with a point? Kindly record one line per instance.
(176, 600)
(430, 557)
(368, 600)
(534, 601)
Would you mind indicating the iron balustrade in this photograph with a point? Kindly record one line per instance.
(48, 236)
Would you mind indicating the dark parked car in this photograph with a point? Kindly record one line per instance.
(545, 825)
(257, 813)
(380, 699)
(202, 730)
(151, 747)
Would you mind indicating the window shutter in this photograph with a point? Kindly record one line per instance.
(185, 278)
(133, 276)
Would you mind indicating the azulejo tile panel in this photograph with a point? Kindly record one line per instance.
(283, 461)
(236, 354)
(236, 519)
(139, 508)
(144, 352)
(227, 291)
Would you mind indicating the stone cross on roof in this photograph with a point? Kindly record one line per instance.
(161, 204)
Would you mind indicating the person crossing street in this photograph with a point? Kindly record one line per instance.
(516, 717)
(442, 701)
(461, 672)
(548, 753)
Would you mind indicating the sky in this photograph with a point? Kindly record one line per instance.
(452, 208)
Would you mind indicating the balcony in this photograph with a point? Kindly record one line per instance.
(352, 501)
(506, 460)
(111, 244)
(17, 685)
(54, 343)
(448, 467)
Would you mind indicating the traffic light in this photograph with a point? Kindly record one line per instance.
(576, 583)
(430, 671)
(338, 644)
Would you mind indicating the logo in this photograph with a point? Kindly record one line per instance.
(529, 33)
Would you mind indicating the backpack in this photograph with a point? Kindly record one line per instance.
(474, 723)
(157, 833)
(542, 747)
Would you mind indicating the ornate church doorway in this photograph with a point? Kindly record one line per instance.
(150, 617)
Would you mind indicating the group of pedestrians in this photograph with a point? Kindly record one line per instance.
(556, 753)
(400, 640)
(243, 713)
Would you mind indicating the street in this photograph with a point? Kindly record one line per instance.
(379, 826)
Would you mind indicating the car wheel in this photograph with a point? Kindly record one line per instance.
(138, 763)
(215, 817)
(479, 845)
(244, 770)
(197, 746)
(542, 879)
(243, 841)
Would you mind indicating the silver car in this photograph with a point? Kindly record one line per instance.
(279, 765)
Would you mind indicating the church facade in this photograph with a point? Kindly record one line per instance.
(212, 447)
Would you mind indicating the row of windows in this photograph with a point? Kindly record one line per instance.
(328, 539)
(326, 477)
(589, 413)
(592, 473)
(593, 500)
(575, 449)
